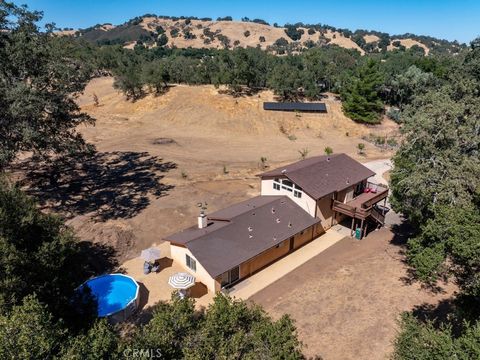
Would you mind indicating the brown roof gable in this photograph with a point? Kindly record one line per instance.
(242, 231)
(322, 175)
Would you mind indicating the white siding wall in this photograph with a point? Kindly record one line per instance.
(305, 202)
(178, 254)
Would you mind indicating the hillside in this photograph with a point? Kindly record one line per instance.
(184, 32)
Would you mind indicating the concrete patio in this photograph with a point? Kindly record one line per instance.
(154, 286)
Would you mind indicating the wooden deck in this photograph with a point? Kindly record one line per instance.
(361, 207)
(366, 200)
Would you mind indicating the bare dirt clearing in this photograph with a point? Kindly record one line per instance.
(347, 299)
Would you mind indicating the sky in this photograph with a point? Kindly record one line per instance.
(444, 19)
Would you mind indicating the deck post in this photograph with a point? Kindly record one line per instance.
(334, 217)
(361, 228)
(351, 229)
(365, 230)
(384, 205)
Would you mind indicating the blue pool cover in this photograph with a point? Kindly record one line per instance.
(114, 292)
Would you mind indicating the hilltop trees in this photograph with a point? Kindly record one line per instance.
(412, 82)
(39, 79)
(327, 68)
(285, 80)
(293, 32)
(361, 97)
(242, 67)
(155, 74)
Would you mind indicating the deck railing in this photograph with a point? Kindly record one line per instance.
(351, 211)
(366, 208)
(382, 193)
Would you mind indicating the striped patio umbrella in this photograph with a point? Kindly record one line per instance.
(181, 281)
(150, 254)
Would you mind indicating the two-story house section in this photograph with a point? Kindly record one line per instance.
(321, 183)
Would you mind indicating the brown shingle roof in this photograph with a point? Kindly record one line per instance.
(242, 231)
(322, 175)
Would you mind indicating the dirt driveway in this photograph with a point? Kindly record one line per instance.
(346, 300)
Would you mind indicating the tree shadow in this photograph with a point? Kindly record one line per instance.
(101, 258)
(437, 314)
(241, 91)
(108, 185)
(401, 233)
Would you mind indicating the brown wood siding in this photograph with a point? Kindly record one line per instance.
(318, 230)
(324, 213)
(302, 239)
(265, 258)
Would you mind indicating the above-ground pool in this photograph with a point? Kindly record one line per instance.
(117, 296)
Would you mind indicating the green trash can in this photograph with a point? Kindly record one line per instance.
(358, 234)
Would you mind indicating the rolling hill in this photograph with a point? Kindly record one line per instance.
(184, 32)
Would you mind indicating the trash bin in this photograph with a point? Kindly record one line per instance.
(358, 234)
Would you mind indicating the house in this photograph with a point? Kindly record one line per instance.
(298, 203)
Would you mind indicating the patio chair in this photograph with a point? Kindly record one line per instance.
(146, 268)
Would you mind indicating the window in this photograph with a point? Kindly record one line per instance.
(287, 185)
(276, 184)
(191, 263)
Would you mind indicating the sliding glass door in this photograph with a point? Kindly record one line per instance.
(231, 276)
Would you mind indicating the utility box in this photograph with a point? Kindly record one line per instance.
(358, 234)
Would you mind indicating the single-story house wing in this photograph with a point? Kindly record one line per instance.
(241, 239)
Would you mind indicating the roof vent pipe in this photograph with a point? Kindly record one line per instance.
(202, 218)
